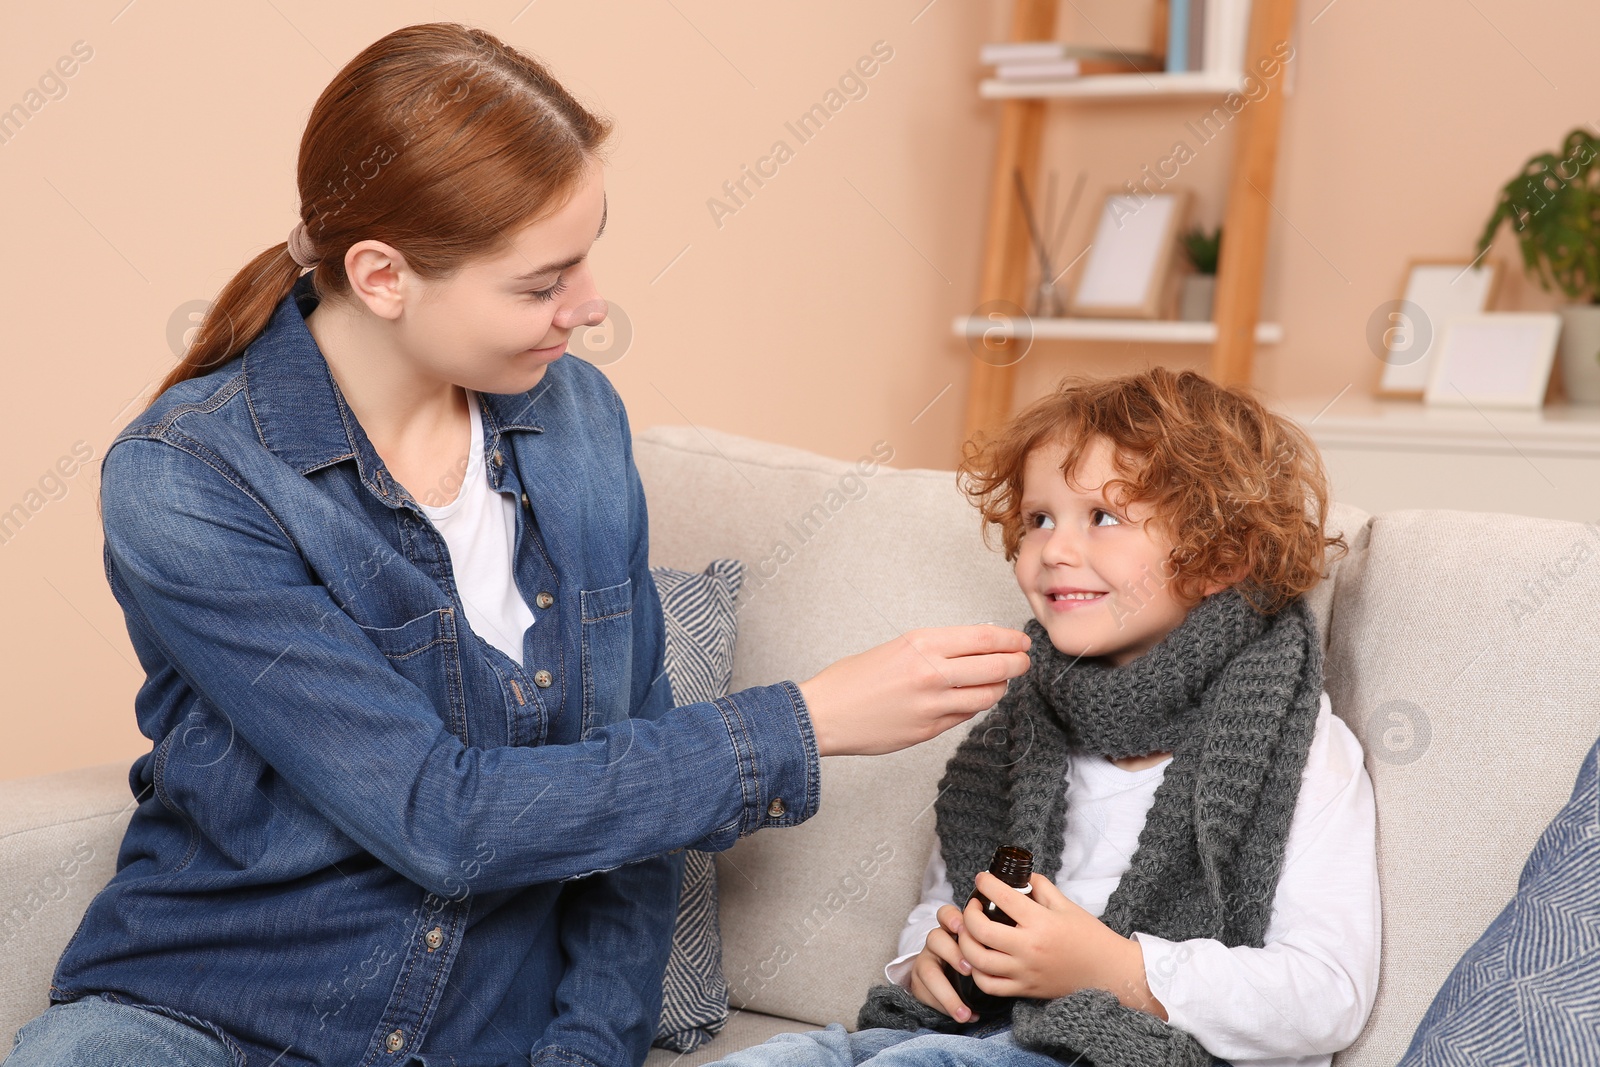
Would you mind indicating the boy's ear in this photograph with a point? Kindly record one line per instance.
(1232, 578)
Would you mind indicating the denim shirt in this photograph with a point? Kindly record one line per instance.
(364, 835)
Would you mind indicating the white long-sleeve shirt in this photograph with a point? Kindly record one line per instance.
(1306, 993)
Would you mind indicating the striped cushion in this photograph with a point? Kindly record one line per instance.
(701, 618)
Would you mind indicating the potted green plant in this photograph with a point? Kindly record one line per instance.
(1553, 205)
(1200, 288)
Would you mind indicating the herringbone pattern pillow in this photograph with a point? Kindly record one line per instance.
(701, 624)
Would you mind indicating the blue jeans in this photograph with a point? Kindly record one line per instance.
(100, 1033)
(991, 1045)
(834, 1047)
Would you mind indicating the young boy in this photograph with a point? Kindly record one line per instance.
(1202, 826)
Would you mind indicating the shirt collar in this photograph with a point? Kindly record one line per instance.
(300, 412)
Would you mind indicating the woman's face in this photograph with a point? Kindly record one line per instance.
(1096, 573)
(496, 324)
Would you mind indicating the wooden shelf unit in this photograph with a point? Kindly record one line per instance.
(1008, 254)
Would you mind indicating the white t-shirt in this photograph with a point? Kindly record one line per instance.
(1291, 1003)
(480, 530)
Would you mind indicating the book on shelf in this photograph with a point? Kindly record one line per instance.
(1060, 69)
(1196, 45)
(1224, 34)
(1202, 36)
(1177, 36)
(1201, 33)
(1013, 52)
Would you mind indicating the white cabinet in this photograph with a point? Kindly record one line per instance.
(1383, 455)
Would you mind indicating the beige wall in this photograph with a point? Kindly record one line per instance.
(815, 315)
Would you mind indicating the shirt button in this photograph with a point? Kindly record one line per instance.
(544, 600)
(525, 501)
(434, 938)
(543, 679)
(395, 1040)
(777, 808)
(498, 459)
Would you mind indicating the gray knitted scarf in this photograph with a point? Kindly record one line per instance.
(1233, 694)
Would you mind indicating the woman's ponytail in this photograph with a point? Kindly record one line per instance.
(237, 316)
(438, 139)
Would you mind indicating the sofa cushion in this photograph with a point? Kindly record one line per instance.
(700, 629)
(1465, 656)
(840, 557)
(58, 847)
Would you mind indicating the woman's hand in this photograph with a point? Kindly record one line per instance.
(915, 687)
(929, 983)
(1055, 949)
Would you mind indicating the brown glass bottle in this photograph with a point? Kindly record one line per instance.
(1014, 867)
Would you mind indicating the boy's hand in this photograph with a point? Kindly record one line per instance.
(1055, 949)
(928, 981)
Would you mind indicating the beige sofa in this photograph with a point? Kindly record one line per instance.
(1461, 649)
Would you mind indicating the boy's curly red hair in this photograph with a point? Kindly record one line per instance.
(1238, 489)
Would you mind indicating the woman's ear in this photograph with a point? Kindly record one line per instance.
(378, 274)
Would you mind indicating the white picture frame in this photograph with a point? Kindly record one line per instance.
(1441, 291)
(1130, 267)
(1502, 359)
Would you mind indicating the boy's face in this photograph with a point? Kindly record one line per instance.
(1076, 541)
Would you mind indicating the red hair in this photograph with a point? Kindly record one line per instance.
(1239, 490)
(438, 139)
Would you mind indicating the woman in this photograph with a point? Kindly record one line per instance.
(417, 789)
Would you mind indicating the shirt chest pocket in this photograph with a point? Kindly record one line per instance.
(607, 654)
(425, 652)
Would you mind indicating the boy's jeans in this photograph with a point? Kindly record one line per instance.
(989, 1045)
(834, 1047)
